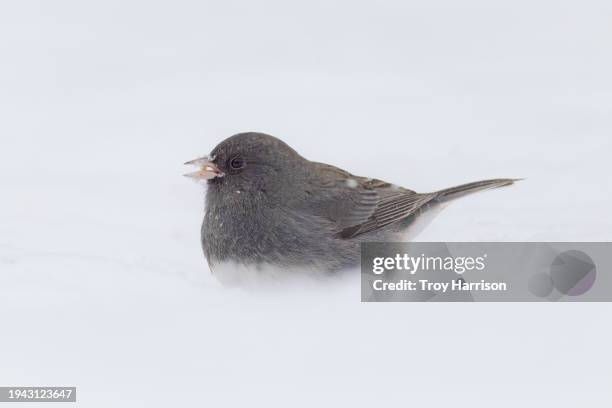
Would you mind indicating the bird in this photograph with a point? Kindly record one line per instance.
(267, 208)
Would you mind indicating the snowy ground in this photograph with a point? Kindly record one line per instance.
(102, 281)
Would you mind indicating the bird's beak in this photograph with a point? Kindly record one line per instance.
(208, 170)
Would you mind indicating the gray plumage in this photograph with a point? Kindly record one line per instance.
(278, 208)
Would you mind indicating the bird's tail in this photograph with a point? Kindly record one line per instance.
(463, 189)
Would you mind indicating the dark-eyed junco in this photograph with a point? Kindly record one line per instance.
(268, 207)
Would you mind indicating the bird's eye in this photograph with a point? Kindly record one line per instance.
(236, 163)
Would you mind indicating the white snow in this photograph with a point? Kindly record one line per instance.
(352, 183)
(102, 281)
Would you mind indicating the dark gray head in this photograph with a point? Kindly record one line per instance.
(249, 163)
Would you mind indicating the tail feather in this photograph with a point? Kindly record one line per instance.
(463, 189)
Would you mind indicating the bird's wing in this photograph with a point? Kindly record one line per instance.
(358, 205)
(341, 197)
(390, 209)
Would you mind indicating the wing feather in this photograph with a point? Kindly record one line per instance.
(389, 210)
(359, 205)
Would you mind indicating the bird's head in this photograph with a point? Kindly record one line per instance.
(246, 163)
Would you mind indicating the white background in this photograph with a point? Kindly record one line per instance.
(102, 281)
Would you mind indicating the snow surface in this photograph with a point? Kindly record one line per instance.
(102, 281)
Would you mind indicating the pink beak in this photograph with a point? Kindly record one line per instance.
(208, 170)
